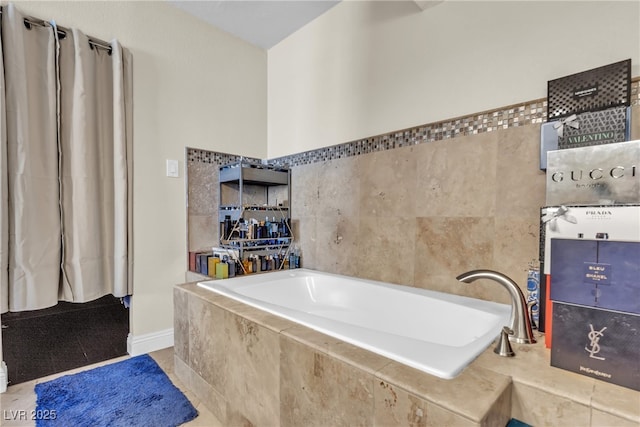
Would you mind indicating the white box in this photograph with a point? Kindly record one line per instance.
(619, 222)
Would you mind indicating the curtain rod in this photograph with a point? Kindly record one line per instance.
(62, 32)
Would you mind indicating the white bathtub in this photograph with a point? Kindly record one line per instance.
(434, 332)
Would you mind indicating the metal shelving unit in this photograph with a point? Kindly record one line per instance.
(248, 194)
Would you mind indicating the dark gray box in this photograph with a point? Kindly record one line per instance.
(597, 343)
(597, 273)
(592, 90)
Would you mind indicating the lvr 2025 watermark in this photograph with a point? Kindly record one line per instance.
(25, 415)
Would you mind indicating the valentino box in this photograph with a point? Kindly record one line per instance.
(585, 129)
(597, 343)
(596, 175)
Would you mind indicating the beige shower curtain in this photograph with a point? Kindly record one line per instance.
(74, 226)
(33, 214)
(94, 152)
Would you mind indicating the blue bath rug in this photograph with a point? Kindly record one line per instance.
(134, 392)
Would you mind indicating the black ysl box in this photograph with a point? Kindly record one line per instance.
(593, 90)
(597, 343)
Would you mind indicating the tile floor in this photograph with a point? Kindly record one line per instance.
(21, 397)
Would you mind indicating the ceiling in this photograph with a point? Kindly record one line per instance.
(263, 23)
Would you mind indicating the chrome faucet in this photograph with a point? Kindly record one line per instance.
(519, 322)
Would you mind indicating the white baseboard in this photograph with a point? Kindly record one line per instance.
(4, 378)
(142, 344)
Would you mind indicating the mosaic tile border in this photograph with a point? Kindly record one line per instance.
(531, 112)
(205, 156)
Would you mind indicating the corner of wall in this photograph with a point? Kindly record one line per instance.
(142, 344)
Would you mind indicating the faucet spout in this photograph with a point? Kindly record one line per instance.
(520, 322)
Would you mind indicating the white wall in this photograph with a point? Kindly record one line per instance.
(371, 67)
(193, 86)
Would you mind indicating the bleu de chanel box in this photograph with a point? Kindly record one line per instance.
(592, 90)
(597, 343)
(596, 273)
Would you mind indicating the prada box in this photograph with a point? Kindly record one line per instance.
(596, 273)
(585, 129)
(597, 343)
(592, 90)
(611, 222)
(597, 175)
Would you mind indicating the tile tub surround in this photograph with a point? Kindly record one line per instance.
(253, 368)
(258, 369)
(417, 215)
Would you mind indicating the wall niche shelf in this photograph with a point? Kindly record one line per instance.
(254, 214)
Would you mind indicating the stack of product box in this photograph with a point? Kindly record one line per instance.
(587, 108)
(590, 228)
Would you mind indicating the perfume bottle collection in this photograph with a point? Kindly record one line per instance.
(260, 233)
(226, 267)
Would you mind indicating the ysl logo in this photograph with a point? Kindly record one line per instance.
(594, 337)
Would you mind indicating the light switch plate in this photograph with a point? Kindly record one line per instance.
(172, 169)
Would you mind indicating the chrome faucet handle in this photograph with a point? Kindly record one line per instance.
(519, 321)
(504, 346)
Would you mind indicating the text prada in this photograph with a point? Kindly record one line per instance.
(594, 174)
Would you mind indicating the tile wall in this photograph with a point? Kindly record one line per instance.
(415, 207)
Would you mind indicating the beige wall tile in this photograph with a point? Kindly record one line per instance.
(457, 177)
(536, 407)
(314, 388)
(605, 419)
(520, 189)
(305, 192)
(635, 122)
(208, 342)
(336, 247)
(306, 238)
(388, 183)
(385, 249)
(396, 407)
(203, 232)
(618, 401)
(181, 324)
(202, 188)
(439, 417)
(470, 395)
(211, 397)
(447, 247)
(516, 244)
(253, 378)
(339, 187)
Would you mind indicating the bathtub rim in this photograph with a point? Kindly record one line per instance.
(452, 362)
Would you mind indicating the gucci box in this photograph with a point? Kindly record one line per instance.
(597, 175)
(592, 90)
(597, 343)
